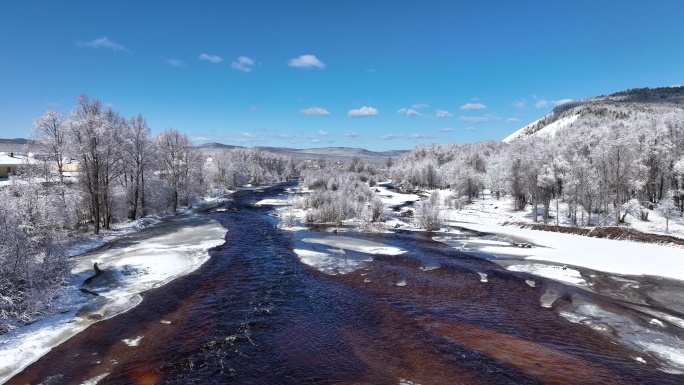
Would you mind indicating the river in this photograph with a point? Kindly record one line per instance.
(255, 314)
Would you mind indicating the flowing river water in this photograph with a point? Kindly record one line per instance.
(255, 314)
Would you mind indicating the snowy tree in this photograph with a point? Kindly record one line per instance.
(427, 212)
(94, 136)
(668, 209)
(50, 136)
(180, 166)
(139, 155)
(620, 164)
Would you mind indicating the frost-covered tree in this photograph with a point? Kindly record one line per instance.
(621, 165)
(139, 153)
(94, 136)
(668, 209)
(50, 137)
(427, 213)
(180, 167)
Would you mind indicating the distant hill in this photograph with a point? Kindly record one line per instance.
(635, 106)
(330, 154)
(13, 145)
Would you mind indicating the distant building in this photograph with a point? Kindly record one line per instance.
(9, 163)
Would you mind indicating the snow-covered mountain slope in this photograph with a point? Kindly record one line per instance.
(640, 106)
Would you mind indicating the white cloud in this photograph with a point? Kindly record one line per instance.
(419, 106)
(175, 62)
(245, 137)
(562, 101)
(253, 109)
(315, 140)
(520, 104)
(542, 103)
(53, 104)
(471, 128)
(321, 132)
(102, 42)
(244, 64)
(409, 112)
(362, 112)
(443, 114)
(350, 134)
(475, 119)
(314, 111)
(286, 136)
(472, 106)
(210, 58)
(509, 120)
(306, 61)
(412, 136)
(446, 129)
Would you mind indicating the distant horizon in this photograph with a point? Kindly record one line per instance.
(308, 74)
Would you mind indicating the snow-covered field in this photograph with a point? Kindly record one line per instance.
(128, 271)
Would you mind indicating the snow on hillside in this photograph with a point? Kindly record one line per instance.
(550, 129)
(522, 132)
(634, 107)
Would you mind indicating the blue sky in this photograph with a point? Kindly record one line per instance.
(374, 74)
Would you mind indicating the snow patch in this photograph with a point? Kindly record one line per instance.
(330, 264)
(608, 255)
(95, 380)
(132, 341)
(273, 202)
(355, 244)
(557, 273)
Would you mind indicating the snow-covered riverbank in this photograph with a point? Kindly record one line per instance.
(174, 248)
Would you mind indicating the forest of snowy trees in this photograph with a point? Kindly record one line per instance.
(94, 168)
(611, 161)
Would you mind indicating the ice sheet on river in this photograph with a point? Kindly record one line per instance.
(360, 245)
(333, 263)
(129, 271)
(335, 260)
(656, 344)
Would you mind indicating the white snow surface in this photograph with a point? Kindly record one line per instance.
(133, 269)
(557, 273)
(600, 254)
(394, 198)
(549, 130)
(273, 202)
(331, 264)
(355, 244)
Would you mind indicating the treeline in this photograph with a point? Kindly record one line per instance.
(602, 165)
(89, 170)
